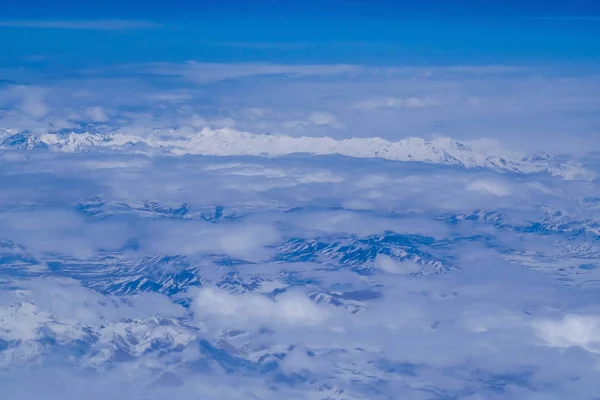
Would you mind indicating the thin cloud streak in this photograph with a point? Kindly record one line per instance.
(570, 18)
(101, 25)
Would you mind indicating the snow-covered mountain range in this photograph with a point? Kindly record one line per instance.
(230, 142)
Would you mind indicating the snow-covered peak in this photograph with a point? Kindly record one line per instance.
(25, 140)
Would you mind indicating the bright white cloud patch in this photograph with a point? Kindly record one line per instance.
(247, 310)
(235, 240)
(391, 266)
(27, 99)
(323, 118)
(572, 331)
(489, 187)
(97, 114)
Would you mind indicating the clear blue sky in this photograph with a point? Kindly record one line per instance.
(334, 31)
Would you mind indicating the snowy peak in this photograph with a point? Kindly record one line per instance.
(229, 142)
(24, 140)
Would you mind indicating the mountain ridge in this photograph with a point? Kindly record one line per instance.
(230, 142)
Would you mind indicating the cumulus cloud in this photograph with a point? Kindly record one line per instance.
(255, 310)
(237, 240)
(27, 99)
(59, 124)
(61, 231)
(489, 187)
(571, 331)
(391, 266)
(34, 106)
(323, 118)
(96, 114)
(65, 301)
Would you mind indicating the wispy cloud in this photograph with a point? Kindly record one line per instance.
(102, 25)
(213, 72)
(570, 18)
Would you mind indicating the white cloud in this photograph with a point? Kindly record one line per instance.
(353, 222)
(237, 240)
(96, 114)
(358, 204)
(255, 310)
(209, 72)
(489, 187)
(34, 106)
(198, 121)
(241, 241)
(297, 361)
(114, 24)
(572, 331)
(391, 266)
(27, 99)
(323, 118)
(62, 124)
(62, 231)
(395, 102)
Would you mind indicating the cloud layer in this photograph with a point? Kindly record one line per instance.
(300, 232)
(241, 277)
(520, 110)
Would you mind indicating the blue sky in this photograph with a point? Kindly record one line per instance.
(365, 32)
